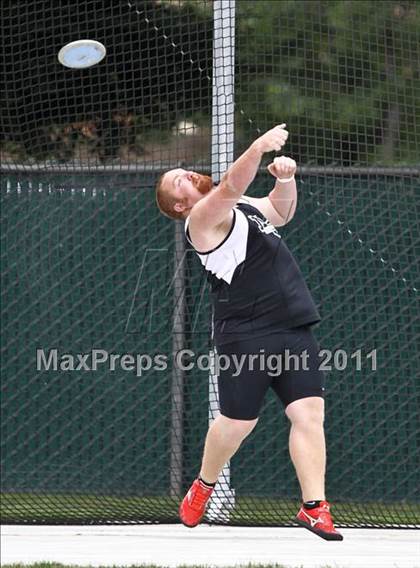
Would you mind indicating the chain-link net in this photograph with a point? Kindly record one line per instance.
(99, 422)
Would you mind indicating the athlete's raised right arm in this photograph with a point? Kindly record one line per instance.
(214, 209)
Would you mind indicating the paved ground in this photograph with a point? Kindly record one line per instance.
(172, 545)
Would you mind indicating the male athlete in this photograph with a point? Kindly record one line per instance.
(261, 304)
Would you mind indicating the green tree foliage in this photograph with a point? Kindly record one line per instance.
(344, 75)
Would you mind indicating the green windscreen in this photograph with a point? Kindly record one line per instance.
(87, 263)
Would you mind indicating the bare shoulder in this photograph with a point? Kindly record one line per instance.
(207, 237)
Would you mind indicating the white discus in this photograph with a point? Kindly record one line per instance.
(81, 53)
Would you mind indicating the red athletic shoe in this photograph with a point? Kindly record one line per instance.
(319, 521)
(193, 505)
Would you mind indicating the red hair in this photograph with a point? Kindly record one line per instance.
(166, 201)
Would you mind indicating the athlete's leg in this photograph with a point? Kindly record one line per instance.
(224, 437)
(241, 394)
(307, 450)
(307, 445)
(301, 391)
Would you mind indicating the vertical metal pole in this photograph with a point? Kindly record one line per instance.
(223, 112)
(177, 384)
(222, 147)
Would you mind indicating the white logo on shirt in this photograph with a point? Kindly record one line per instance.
(264, 226)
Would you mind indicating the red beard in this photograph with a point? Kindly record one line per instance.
(203, 183)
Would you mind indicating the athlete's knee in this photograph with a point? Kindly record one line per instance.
(234, 431)
(306, 412)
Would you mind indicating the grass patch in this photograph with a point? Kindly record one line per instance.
(267, 512)
(81, 509)
(27, 508)
(58, 565)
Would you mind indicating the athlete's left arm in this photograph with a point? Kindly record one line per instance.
(280, 204)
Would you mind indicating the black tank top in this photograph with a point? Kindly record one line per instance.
(256, 284)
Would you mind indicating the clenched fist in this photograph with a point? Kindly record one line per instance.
(272, 140)
(282, 167)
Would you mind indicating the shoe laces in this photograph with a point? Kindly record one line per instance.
(199, 498)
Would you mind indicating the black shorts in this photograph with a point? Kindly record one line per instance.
(287, 361)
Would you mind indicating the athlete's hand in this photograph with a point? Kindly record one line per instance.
(282, 167)
(272, 140)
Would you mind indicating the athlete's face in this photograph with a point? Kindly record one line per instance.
(187, 187)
